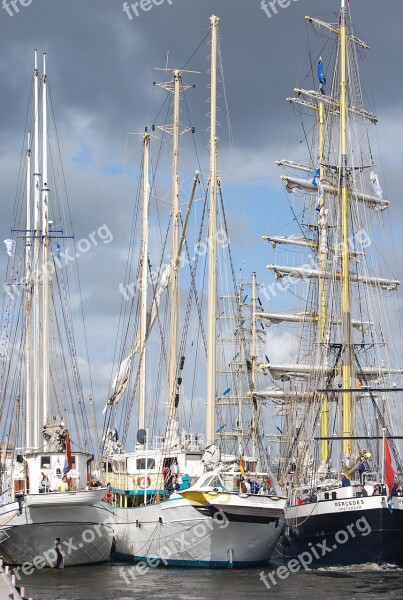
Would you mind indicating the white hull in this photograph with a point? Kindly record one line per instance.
(85, 531)
(183, 533)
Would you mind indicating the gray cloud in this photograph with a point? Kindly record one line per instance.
(100, 68)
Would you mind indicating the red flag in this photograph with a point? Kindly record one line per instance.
(389, 471)
(67, 462)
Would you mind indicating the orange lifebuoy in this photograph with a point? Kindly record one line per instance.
(141, 482)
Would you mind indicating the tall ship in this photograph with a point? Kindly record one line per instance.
(339, 392)
(181, 498)
(46, 452)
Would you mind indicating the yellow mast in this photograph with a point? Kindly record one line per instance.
(345, 257)
(324, 417)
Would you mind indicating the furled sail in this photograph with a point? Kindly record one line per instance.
(279, 396)
(291, 240)
(286, 372)
(122, 377)
(330, 103)
(306, 317)
(293, 183)
(305, 273)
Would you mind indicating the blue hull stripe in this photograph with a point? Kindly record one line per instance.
(212, 564)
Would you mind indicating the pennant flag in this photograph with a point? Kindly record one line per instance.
(68, 463)
(317, 181)
(375, 184)
(316, 175)
(389, 471)
(321, 73)
(10, 247)
(241, 466)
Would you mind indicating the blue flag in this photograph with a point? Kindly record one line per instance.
(321, 73)
(315, 174)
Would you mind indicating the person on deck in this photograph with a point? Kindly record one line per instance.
(377, 490)
(44, 487)
(361, 470)
(62, 485)
(108, 495)
(345, 482)
(363, 492)
(174, 468)
(242, 487)
(59, 554)
(399, 490)
(254, 486)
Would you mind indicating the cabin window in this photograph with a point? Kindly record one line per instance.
(45, 462)
(216, 482)
(141, 463)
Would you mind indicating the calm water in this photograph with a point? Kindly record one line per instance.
(105, 582)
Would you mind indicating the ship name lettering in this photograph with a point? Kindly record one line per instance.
(346, 504)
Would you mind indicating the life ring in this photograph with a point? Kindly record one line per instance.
(141, 482)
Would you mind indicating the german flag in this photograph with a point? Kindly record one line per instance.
(242, 466)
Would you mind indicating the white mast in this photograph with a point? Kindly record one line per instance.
(253, 358)
(45, 250)
(37, 227)
(144, 280)
(28, 284)
(176, 87)
(212, 259)
(173, 340)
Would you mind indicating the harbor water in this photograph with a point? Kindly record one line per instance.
(119, 581)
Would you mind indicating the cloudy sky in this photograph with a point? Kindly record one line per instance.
(100, 65)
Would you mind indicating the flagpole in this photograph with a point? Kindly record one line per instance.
(146, 470)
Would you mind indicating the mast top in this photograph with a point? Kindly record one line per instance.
(214, 20)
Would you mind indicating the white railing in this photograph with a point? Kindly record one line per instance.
(188, 441)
